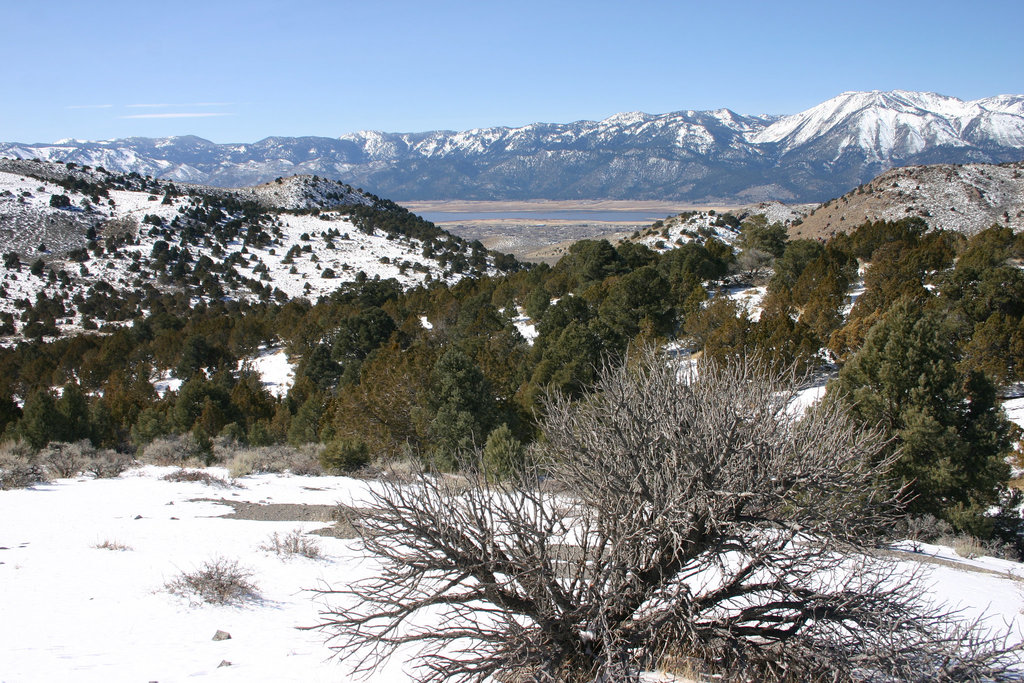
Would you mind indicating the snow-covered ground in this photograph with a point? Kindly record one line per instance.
(749, 299)
(1014, 408)
(276, 372)
(678, 230)
(74, 611)
(526, 326)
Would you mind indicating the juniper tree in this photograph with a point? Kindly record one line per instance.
(950, 430)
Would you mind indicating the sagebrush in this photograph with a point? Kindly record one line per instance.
(218, 581)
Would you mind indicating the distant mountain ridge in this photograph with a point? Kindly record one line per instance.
(711, 156)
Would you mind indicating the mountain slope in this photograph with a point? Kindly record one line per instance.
(84, 247)
(966, 198)
(687, 155)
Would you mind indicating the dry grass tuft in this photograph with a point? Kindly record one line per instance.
(294, 543)
(112, 545)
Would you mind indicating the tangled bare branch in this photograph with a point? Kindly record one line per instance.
(695, 516)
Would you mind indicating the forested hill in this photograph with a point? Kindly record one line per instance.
(84, 247)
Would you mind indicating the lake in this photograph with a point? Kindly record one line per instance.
(541, 216)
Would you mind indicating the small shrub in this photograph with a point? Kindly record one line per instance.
(927, 528)
(345, 455)
(177, 449)
(219, 581)
(107, 464)
(242, 463)
(163, 451)
(295, 543)
(299, 461)
(112, 545)
(63, 460)
(19, 468)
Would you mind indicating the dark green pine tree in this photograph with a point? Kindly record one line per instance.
(463, 403)
(73, 407)
(951, 432)
(10, 413)
(40, 422)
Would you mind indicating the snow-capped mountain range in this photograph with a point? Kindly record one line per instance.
(686, 155)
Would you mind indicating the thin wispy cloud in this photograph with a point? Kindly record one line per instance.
(89, 106)
(190, 104)
(177, 115)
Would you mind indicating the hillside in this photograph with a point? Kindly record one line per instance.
(966, 198)
(83, 247)
(698, 156)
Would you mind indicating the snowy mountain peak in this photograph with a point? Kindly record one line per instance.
(897, 123)
(627, 118)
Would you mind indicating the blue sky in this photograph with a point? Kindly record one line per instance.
(239, 72)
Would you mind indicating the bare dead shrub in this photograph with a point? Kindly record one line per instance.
(181, 475)
(291, 544)
(699, 519)
(926, 528)
(107, 464)
(218, 581)
(19, 466)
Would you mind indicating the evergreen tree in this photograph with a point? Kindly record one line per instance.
(503, 453)
(318, 366)
(10, 413)
(757, 233)
(305, 425)
(41, 422)
(464, 405)
(632, 298)
(951, 432)
(73, 407)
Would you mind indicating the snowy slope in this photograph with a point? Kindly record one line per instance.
(304, 245)
(965, 198)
